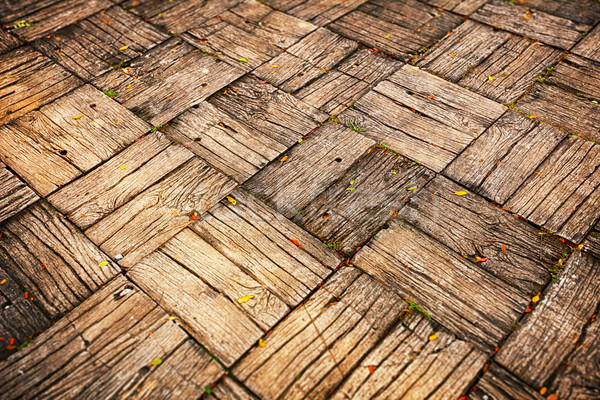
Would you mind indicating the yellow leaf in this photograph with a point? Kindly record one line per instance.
(3, 281)
(103, 264)
(157, 361)
(490, 78)
(283, 158)
(275, 66)
(261, 343)
(118, 122)
(128, 86)
(124, 48)
(387, 36)
(300, 140)
(527, 17)
(411, 188)
(244, 299)
(231, 200)
(415, 68)
(122, 167)
(78, 116)
(433, 337)
(580, 247)
(461, 193)
(171, 318)
(535, 299)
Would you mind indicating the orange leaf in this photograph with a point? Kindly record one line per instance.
(503, 247)
(535, 299)
(283, 158)
(480, 259)
(297, 243)
(372, 369)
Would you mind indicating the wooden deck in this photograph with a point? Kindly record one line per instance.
(286, 199)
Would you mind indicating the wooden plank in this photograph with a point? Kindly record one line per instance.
(514, 251)
(46, 17)
(584, 12)
(94, 45)
(562, 109)
(214, 320)
(288, 72)
(333, 92)
(8, 41)
(168, 79)
(310, 167)
(275, 114)
(48, 267)
(546, 28)
(152, 217)
(577, 75)
(536, 348)
(14, 194)
(369, 66)
(50, 147)
(321, 12)
(592, 243)
(464, 7)
(513, 67)
(262, 243)
(228, 389)
(462, 50)
(33, 80)
(311, 351)
(499, 384)
(589, 47)
(10, 10)
(213, 268)
(563, 194)
(407, 364)
(348, 213)
(502, 158)
(234, 148)
(454, 290)
(188, 14)
(107, 348)
(149, 8)
(102, 191)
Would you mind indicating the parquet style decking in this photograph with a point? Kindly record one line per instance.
(286, 199)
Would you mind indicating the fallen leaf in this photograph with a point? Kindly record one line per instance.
(103, 264)
(433, 337)
(503, 247)
(543, 390)
(553, 396)
(171, 318)
(300, 140)
(535, 299)
(3, 281)
(231, 200)
(480, 259)
(283, 158)
(411, 188)
(460, 193)
(371, 369)
(261, 343)
(451, 55)
(156, 361)
(579, 248)
(124, 48)
(195, 216)
(122, 167)
(387, 36)
(243, 59)
(244, 299)
(415, 68)
(275, 66)
(297, 243)
(78, 116)
(490, 78)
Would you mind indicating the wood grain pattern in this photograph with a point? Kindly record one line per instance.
(93, 46)
(8, 41)
(48, 267)
(184, 15)
(577, 75)
(50, 147)
(474, 228)
(589, 47)
(454, 290)
(546, 28)
(310, 168)
(319, 12)
(14, 194)
(592, 242)
(563, 194)
(572, 300)
(499, 384)
(104, 348)
(333, 92)
(349, 212)
(585, 12)
(168, 79)
(369, 66)
(30, 80)
(228, 389)
(260, 241)
(464, 7)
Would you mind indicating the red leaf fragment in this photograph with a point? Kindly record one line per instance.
(372, 369)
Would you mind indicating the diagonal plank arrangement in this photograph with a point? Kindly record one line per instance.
(289, 199)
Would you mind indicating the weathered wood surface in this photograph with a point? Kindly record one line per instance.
(589, 47)
(456, 291)
(498, 384)
(369, 66)
(47, 267)
(50, 147)
(563, 194)
(349, 212)
(536, 349)
(504, 156)
(30, 80)
(168, 79)
(407, 364)
(100, 42)
(592, 242)
(263, 244)
(106, 348)
(310, 167)
(464, 7)
(577, 75)
(513, 250)
(319, 12)
(8, 41)
(584, 12)
(546, 28)
(14, 194)
(228, 389)
(181, 16)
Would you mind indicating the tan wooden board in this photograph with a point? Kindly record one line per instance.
(14, 194)
(585, 11)
(181, 16)
(111, 346)
(589, 47)
(577, 75)
(48, 267)
(458, 6)
(8, 41)
(319, 12)
(499, 384)
(228, 389)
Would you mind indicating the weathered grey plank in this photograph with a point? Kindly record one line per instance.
(464, 7)
(537, 348)
(45, 16)
(462, 50)
(167, 80)
(503, 157)
(513, 67)
(69, 136)
(14, 194)
(47, 268)
(514, 251)
(262, 107)
(228, 389)
(577, 75)
(407, 364)
(333, 92)
(185, 15)
(454, 290)
(585, 11)
(30, 80)
(227, 144)
(563, 194)
(499, 384)
(562, 109)
(369, 66)
(546, 28)
(589, 47)
(263, 243)
(213, 268)
(348, 213)
(310, 352)
(214, 320)
(310, 167)
(321, 12)
(109, 347)
(98, 43)
(592, 243)
(152, 217)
